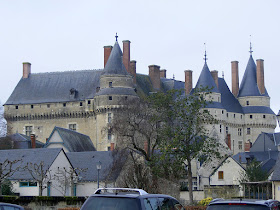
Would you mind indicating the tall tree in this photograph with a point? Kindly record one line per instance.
(254, 173)
(184, 134)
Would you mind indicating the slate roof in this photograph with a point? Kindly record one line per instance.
(169, 84)
(117, 91)
(268, 165)
(260, 156)
(249, 86)
(55, 87)
(111, 164)
(228, 100)
(20, 141)
(206, 80)
(114, 63)
(266, 141)
(29, 156)
(257, 109)
(72, 140)
(276, 172)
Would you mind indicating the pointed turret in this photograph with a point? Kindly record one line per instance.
(249, 85)
(206, 80)
(114, 64)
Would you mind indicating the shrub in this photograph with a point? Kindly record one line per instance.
(205, 201)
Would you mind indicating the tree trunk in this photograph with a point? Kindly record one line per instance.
(40, 188)
(190, 181)
(1, 178)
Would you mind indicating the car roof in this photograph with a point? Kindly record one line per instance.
(246, 201)
(132, 195)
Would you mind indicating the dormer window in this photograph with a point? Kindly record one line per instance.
(110, 84)
(73, 93)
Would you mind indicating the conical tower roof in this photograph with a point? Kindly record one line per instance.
(206, 80)
(114, 64)
(249, 85)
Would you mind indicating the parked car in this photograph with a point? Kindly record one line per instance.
(9, 206)
(245, 204)
(127, 199)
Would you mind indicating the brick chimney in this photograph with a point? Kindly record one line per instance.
(260, 75)
(214, 74)
(228, 141)
(146, 146)
(112, 147)
(188, 81)
(133, 70)
(163, 73)
(234, 78)
(154, 74)
(107, 52)
(26, 69)
(126, 55)
(33, 141)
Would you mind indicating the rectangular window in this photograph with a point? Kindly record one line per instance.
(240, 145)
(110, 84)
(109, 117)
(110, 98)
(226, 130)
(28, 184)
(251, 116)
(31, 106)
(88, 102)
(233, 115)
(239, 132)
(109, 134)
(264, 116)
(64, 104)
(16, 107)
(220, 128)
(81, 103)
(248, 131)
(28, 130)
(48, 105)
(73, 127)
(220, 175)
(247, 102)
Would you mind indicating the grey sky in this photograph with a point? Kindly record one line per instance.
(61, 35)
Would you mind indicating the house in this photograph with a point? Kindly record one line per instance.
(85, 165)
(85, 100)
(35, 166)
(69, 140)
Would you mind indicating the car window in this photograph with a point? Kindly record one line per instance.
(9, 208)
(110, 203)
(151, 204)
(237, 207)
(166, 204)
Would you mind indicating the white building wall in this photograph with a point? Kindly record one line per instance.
(25, 191)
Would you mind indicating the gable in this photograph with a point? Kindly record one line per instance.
(55, 138)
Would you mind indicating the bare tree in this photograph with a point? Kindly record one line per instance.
(7, 169)
(66, 178)
(40, 173)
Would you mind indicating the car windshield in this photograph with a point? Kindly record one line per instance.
(110, 203)
(237, 207)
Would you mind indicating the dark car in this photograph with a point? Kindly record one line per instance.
(245, 204)
(9, 206)
(129, 199)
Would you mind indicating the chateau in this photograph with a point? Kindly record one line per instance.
(85, 100)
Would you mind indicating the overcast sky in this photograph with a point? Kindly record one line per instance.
(62, 35)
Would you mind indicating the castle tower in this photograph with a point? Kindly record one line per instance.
(116, 84)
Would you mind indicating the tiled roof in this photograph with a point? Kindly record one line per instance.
(111, 164)
(114, 63)
(47, 156)
(73, 141)
(206, 80)
(55, 87)
(249, 86)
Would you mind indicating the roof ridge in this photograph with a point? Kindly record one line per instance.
(67, 71)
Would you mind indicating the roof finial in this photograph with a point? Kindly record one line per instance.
(205, 55)
(250, 46)
(116, 37)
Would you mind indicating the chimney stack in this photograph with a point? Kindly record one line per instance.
(234, 78)
(260, 75)
(228, 141)
(33, 141)
(163, 73)
(133, 70)
(248, 146)
(188, 81)
(126, 55)
(112, 147)
(154, 74)
(26, 69)
(214, 74)
(107, 52)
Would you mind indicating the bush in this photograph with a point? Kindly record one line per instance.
(205, 201)
(7, 187)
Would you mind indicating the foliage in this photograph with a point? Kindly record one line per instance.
(205, 201)
(253, 173)
(7, 187)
